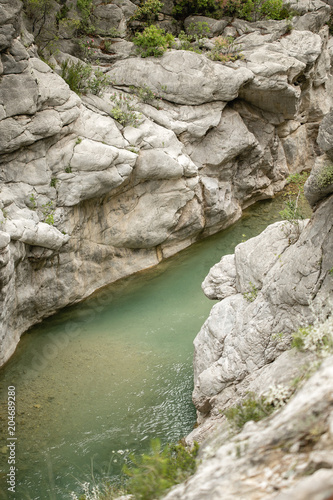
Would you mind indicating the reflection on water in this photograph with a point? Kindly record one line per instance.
(112, 372)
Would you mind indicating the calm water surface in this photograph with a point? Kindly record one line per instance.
(113, 372)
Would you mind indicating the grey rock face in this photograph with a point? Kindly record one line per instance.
(270, 284)
(200, 80)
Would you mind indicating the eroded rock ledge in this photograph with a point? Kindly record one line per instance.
(85, 201)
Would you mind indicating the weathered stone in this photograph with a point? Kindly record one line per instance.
(213, 82)
(226, 141)
(18, 94)
(39, 234)
(325, 135)
(221, 279)
(320, 183)
(276, 281)
(215, 27)
(256, 462)
(155, 164)
(100, 128)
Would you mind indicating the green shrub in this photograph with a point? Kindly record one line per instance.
(317, 337)
(185, 8)
(197, 31)
(252, 408)
(152, 41)
(145, 93)
(254, 10)
(82, 79)
(291, 212)
(154, 473)
(225, 50)
(85, 8)
(148, 11)
(48, 213)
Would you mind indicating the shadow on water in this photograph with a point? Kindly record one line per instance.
(100, 379)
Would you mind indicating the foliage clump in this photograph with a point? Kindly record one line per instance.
(254, 10)
(154, 473)
(82, 79)
(148, 11)
(150, 475)
(253, 408)
(123, 110)
(225, 50)
(153, 41)
(250, 10)
(316, 338)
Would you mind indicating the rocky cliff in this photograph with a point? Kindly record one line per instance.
(85, 200)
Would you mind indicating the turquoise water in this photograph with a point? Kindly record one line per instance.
(113, 372)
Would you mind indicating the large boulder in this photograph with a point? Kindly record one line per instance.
(275, 281)
(182, 77)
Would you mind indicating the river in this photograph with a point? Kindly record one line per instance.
(101, 379)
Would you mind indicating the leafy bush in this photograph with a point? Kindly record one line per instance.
(291, 212)
(152, 41)
(148, 11)
(82, 79)
(185, 8)
(224, 50)
(123, 110)
(145, 93)
(254, 10)
(252, 408)
(154, 473)
(197, 31)
(48, 213)
(85, 7)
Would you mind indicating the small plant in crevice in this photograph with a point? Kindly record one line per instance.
(54, 182)
(123, 110)
(225, 50)
(145, 94)
(48, 213)
(252, 408)
(33, 202)
(68, 169)
(293, 215)
(251, 295)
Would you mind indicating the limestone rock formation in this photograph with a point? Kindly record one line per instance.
(86, 200)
